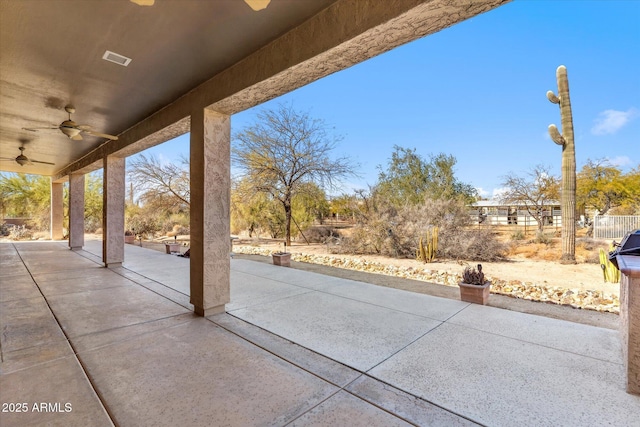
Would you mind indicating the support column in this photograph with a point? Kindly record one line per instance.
(113, 194)
(76, 211)
(57, 210)
(210, 177)
(630, 319)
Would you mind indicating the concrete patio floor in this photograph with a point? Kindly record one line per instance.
(121, 346)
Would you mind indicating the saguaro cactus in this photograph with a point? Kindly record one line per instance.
(568, 197)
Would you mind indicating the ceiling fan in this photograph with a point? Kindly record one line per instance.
(24, 160)
(73, 130)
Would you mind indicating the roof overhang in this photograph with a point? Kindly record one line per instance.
(185, 55)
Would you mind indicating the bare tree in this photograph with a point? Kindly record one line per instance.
(166, 184)
(535, 192)
(285, 150)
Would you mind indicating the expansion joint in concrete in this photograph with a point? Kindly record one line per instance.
(75, 352)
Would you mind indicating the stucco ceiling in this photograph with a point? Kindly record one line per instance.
(51, 56)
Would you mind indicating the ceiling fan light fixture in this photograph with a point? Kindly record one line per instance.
(22, 160)
(70, 131)
(257, 4)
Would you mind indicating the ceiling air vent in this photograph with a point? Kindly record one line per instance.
(116, 58)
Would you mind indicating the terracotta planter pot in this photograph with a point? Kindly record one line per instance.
(477, 294)
(129, 239)
(282, 259)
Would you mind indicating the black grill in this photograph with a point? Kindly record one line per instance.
(630, 245)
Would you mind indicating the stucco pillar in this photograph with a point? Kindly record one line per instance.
(210, 267)
(113, 193)
(630, 319)
(76, 211)
(57, 210)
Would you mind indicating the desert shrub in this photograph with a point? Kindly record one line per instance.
(39, 221)
(590, 244)
(178, 230)
(356, 243)
(591, 258)
(91, 224)
(321, 234)
(45, 235)
(176, 224)
(396, 232)
(542, 238)
(588, 250)
(20, 232)
(518, 235)
(473, 245)
(539, 251)
(587, 244)
(143, 225)
(456, 240)
(381, 231)
(5, 229)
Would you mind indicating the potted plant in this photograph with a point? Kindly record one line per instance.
(129, 237)
(282, 259)
(474, 288)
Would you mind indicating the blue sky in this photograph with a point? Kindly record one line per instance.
(477, 91)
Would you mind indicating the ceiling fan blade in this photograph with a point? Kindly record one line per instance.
(257, 5)
(37, 129)
(7, 158)
(43, 163)
(83, 127)
(102, 135)
(77, 137)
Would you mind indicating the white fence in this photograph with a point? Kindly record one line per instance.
(614, 226)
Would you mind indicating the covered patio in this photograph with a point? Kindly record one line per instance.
(129, 75)
(121, 346)
(103, 333)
